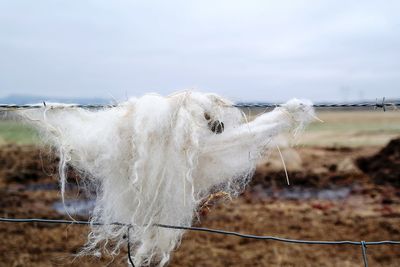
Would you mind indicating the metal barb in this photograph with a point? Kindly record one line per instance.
(381, 105)
(364, 253)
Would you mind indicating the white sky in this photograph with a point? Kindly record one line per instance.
(244, 50)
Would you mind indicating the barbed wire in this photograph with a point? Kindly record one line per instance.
(383, 105)
(378, 104)
(363, 244)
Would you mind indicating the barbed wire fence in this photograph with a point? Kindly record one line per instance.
(377, 105)
(363, 244)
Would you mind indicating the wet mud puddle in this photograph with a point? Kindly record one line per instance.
(84, 207)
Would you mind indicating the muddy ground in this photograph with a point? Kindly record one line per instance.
(330, 198)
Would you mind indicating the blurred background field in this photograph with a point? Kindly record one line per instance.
(14, 132)
(340, 128)
(353, 128)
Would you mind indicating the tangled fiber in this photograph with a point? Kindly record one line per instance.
(154, 159)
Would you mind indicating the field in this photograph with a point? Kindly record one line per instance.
(353, 129)
(332, 196)
(14, 132)
(340, 128)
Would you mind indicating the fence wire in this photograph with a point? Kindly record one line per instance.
(362, 244)
(377, 105)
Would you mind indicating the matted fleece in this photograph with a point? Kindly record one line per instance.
(154, 160)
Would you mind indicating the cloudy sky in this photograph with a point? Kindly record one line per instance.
(244, 50)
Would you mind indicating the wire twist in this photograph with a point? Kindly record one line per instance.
(129, 247)
(364, 253)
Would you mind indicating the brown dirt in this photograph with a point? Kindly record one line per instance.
(23, 164)
(369, 212)
(383, 167)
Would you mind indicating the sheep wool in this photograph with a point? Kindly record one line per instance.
(154, 159)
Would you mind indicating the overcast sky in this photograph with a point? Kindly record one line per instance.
(244, 50)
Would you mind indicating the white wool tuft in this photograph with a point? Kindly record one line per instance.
(154, 159)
